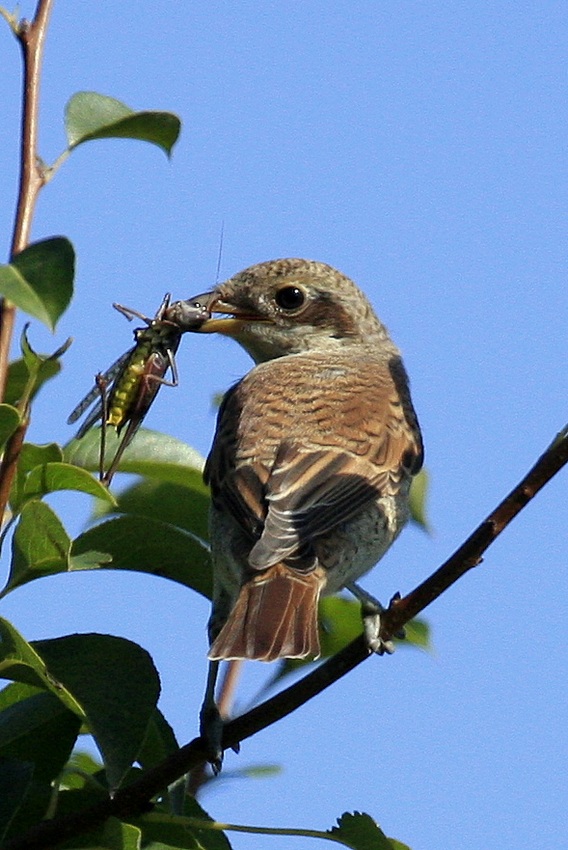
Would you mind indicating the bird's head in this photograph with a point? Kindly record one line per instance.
(288, 307)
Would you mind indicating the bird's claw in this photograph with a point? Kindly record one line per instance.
(372, 631)
(371, 610)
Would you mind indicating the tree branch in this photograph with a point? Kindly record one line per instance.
(469, 554)
(136, 798)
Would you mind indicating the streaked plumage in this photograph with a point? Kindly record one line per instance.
(312, 458)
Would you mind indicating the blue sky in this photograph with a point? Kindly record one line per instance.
(420, 147)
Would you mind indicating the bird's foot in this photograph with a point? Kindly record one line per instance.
(211, 730)
(371, 610)
(372, 630)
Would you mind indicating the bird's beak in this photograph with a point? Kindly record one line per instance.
(233, 319)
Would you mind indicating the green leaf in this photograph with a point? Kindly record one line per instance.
(17, 289)
(252, 771)
(159, 743)
(9, 420)
(418, 496)
(418, 633)
(116, 684)
(360, 832)
(91, 560)
(149, 546)
(36, 365)
(15, 783)
(258, 771)
(31, 456)
(35, 362)
(120, 836)
(151, 454)
(39, 280)
(112, 835)
(80, 771)
(36, 727)
(340, 623)
(40, 546)
(20, 662)
(33, 808)
(89, 115)
(18, 377)
(185, 506)
(51, 477)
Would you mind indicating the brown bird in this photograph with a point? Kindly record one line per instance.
(312, 460)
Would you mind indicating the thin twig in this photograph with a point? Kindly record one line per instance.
(136, 798)
(31, 37)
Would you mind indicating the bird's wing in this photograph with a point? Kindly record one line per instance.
(312, 492)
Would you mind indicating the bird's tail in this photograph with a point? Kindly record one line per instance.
(275, 616)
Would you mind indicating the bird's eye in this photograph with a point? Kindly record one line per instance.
(290, 297)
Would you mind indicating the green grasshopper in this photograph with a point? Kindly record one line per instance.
(126, 390)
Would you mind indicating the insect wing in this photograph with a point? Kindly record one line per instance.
(109, 376)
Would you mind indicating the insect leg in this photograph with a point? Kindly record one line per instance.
(102, 386)
(129, 313)
(131, 429)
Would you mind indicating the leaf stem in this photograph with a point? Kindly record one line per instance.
(264, 830)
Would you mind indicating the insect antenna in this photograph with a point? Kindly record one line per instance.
(220, 254)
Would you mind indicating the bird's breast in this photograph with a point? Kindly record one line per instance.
(314, 401)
